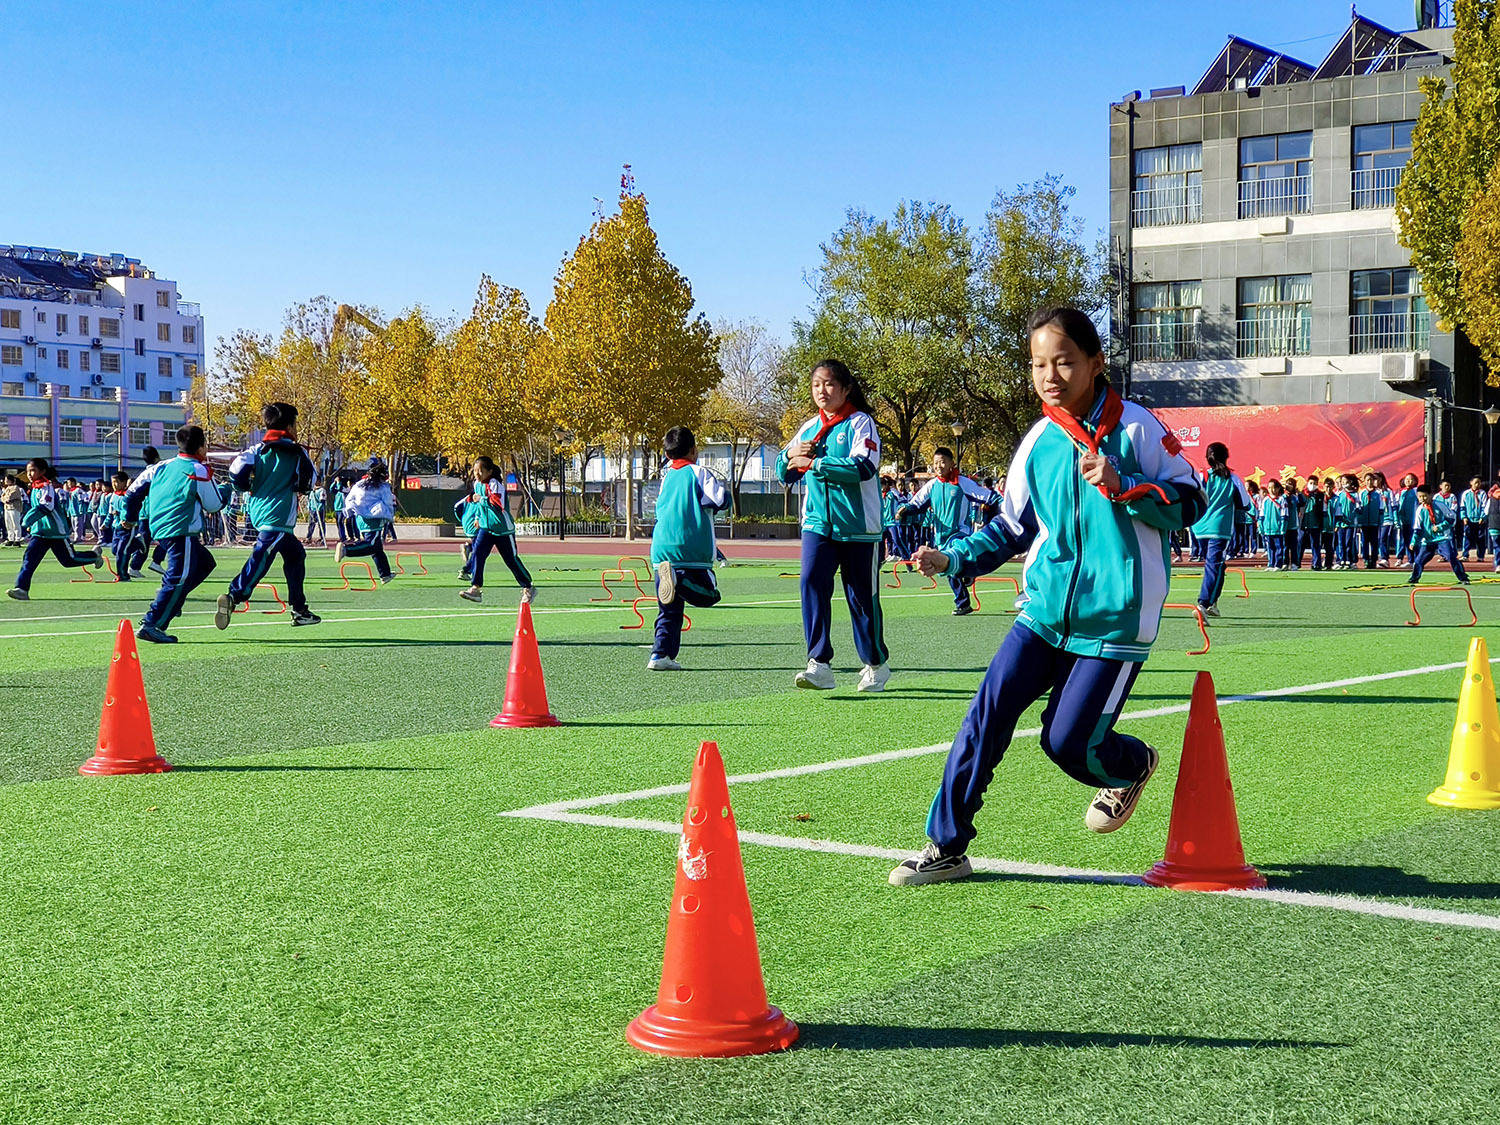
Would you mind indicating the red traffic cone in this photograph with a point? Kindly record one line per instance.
(712, 999)
(1204, 851)
(525, 690)
(125, 741)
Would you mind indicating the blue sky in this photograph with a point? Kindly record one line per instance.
(388, 153)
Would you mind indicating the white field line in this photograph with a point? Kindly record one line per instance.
(943, 747)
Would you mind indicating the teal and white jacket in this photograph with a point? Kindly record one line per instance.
(491, 507)
(1096, 564)
(272, 473)
(685, 507)
(1434, 523)
(43, 517)
(1224, 497)
(371, 505)
(950, 503)
(841, 491)
(181, 491)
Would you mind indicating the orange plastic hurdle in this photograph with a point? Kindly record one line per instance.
(350, 586)
(275, 593)
(1202, 626)
(1474, 617)
(994, 578)
(399, 555)
(896, 564)
(640, 621)
(618, 574)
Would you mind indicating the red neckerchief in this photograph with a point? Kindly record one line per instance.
(953, 479)
(40, 484)
(831, 420)
(678, 463)
(275, 435)
(1109, 418)
(119, 492)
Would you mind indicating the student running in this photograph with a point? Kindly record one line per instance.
(182, 493)
(682, 543)
(494, 529)
(49, 527)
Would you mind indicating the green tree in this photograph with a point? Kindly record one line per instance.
(893, 302)
(387, 408)
(1033, 253)
(1478, 258)
(1455, 149)
(621, 353)
(745, 409)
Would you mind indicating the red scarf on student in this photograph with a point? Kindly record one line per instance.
(274, 435)
(951, 478)
(678, 463)
(1109, 418)
(831, 420)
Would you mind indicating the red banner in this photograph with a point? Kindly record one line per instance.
(1269, 441)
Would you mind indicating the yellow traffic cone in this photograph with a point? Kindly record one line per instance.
(1473, 780)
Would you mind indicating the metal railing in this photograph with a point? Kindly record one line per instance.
(1285, 195)
(189, 308)
(1374, 187)
(1274, 333)
(1167, 205)
(1164, 342)
(1389, 332)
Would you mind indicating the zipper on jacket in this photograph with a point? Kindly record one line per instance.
(1077, 549)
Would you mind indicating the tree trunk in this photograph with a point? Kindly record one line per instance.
(630, 490)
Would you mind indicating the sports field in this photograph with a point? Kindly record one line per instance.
(324, 914)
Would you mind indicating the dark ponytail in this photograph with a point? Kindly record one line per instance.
(845, 378)
(1218, 458)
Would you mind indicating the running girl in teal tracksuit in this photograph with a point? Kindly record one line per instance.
(1093, 491)
(835, 455)
(682, 543)
(46, 521)
(369, 510)
(182, 493)
(493, 530)
(949, 499)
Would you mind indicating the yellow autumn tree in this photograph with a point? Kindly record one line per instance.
(480, 395)
(387, 402)
(621, 354)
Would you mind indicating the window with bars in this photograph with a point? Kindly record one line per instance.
(1166, 321)
(164, 366)
(1388, 312)
(1381, 153)
(109, 362)
(140, 380)
(140, 433)
(63, 362)
(109, 326)
(1275, 175)
(1168, 186)
(10, 355)
(38, 430)
(1275, 316)
(85, 361)
(70, 430)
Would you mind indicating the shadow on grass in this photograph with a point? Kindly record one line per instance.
(679, 726)
(877, 1037)
(308, 769)
(1358, 879)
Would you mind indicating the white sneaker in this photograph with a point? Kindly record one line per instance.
(338, 553)
(873, 677)
(663, 664)
(1111, 808)
(666, 583)
(817, 675)
(1212, 610)
(472, 594)
(528, 595)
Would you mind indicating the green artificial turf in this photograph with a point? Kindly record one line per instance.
(320, 915)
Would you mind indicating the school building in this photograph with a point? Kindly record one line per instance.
(1253, 230)
(97, 356)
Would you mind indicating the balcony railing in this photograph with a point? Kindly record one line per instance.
(1167, 206)
(189, 308)
(1272, 334)
(1374, 187)
(1164, 342)
(1389, 332)
(1285, 195)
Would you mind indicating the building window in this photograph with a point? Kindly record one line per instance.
(164, 333)
(140, 312)
(164, 366)
(41, 353)
(62, 323)
(190, 369)
(85, 392)
(140, 346)
(41, 318)
(14, 389)
(1381, 153)
(1166, 321)
(1168, 186)
(85, 360)
(1275, 174)
(10, 355)
(1275, 317)
(109, 362)
(165, 396)
(10, 318)
(62, 359)
(1389, 312)
(109, 326)
(83, 325)
(140, 380)
(59, 390)
(164, 298)
(140, 433)
(107, 393)
(189, 333)
(38, 430)
(70, 430)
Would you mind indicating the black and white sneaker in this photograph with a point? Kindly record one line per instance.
(1112, 807)
(666, 582)
(305, 617)
(930, 865)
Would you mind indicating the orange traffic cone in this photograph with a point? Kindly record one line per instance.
(125, 741)
(525, 690)
(712, 1000)
(1204, 852)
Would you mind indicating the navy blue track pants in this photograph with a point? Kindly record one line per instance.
(269, 544)
(859, 566)
(189, 562)
(695, 586)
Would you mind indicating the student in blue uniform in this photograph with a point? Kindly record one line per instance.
(1472, 507)
(272, 474)
(1096, 482)
(494, 529)
(950, 498)
(1273, 524)
(1371, 516)
(1433, 535)
(369, 509)
(682, 543)
(182, 493)
(46, 521)
(835, 456)
(1226, 500)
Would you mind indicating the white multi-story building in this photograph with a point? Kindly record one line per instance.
(80, 327)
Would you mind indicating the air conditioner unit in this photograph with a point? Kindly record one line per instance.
(96, 342)
(1402, 367)
(31, 376)
(97, 380)
(28, 339)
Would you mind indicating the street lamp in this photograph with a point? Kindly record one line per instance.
(959, 428)
(1491, 416)
(560, 436)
